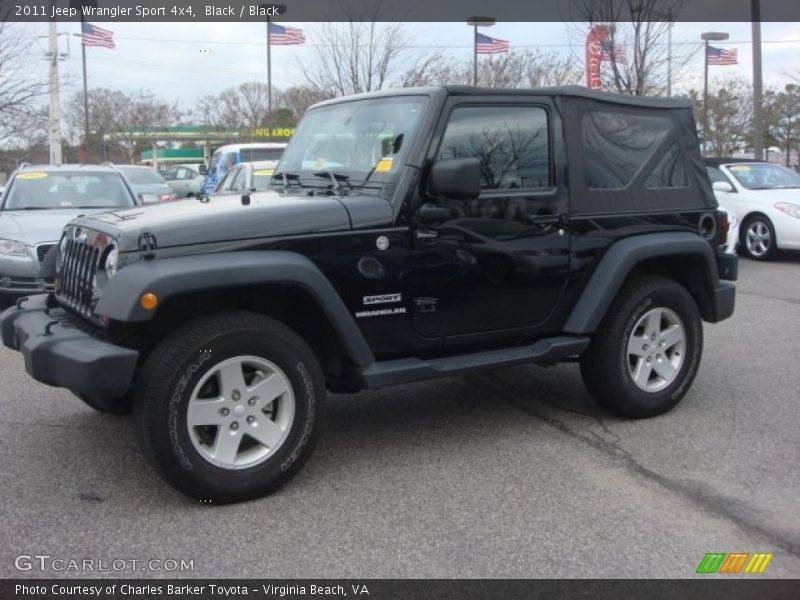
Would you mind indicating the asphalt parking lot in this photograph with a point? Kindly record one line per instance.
(508, 473)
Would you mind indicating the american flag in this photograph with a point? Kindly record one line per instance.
(92, 35)
(720, 56)
(285, 36)
(618, 53)
(489, 45)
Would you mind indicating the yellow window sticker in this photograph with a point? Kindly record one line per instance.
(739, 168)
(384, 165)
(37, 175)
(264, 172)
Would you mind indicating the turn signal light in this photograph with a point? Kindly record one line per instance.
(148, 301)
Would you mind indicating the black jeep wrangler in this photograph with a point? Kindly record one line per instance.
(407, 235)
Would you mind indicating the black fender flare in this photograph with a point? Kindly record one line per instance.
(171, 277)
(622, 257)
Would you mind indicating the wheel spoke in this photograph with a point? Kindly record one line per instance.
(265, 432)
(652, 326)
(641, 374)
(226, 446)
(231, 378)
(636, 345)
(671, 336)
(270, 388)
(205, 412)
(664, 368)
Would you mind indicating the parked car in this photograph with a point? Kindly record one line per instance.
(185, 181)
(223, 324)
(148, 184)
(226, 157)
(36, 205)
(766, 200)
(246, 177)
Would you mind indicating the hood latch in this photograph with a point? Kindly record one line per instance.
(147, 245)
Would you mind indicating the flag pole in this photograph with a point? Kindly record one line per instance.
(85, 158)
(269, 72)
(705, 98)
(475, 57)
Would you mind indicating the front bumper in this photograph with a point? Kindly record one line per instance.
(59, 354)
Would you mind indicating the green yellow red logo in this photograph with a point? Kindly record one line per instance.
(734, 563)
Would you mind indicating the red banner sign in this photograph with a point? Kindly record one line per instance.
(594, 56)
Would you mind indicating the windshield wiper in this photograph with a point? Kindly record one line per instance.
(286, 178)
(33, 208)
(335, 178)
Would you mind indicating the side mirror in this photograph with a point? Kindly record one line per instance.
(203, 169)
(722, 186)
(458, 178)
(245, 199)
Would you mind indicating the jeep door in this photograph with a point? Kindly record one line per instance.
(499, 262)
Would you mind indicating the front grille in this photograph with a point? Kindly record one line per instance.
(42, 250)
(76, 276)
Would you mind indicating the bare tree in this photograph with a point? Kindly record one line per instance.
(782, 119)
(355, 56)
(299, 98)
(640, 30)
(245, 104)
(730, 115)
(128, 120)
(513, 70)
(143, 115)
(20, 88)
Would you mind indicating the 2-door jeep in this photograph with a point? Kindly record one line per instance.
(407, 235)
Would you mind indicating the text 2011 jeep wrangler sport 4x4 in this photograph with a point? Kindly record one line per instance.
(408, 235)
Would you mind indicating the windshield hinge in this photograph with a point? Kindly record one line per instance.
(147, 245)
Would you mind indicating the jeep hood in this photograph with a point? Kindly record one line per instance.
(225, 218)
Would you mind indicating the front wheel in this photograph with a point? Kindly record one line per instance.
(229, 406)
(646, 352)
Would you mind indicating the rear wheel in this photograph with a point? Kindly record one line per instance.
(758, 238)
(229, 406)
(646, 352)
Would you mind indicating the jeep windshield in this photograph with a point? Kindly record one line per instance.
(357, 143)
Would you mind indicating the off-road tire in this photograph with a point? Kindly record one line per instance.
(605, 364)
(176, 366)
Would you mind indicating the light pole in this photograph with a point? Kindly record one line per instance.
(758, 92)
(708, 36)
(477, 22)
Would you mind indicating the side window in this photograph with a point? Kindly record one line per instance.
(511, 143)
(716, 175)
(228, 161)
(238, 184)
(172, 174)
(227, 181)
(618, 145)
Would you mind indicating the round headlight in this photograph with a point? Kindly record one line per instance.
(111, 261)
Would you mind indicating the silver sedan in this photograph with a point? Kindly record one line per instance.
(36, 205)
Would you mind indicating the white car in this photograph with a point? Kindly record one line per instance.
(766, 200)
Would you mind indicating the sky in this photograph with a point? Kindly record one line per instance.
(183, 61)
